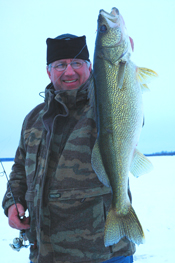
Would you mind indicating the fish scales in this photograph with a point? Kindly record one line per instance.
(119, 121)
(119, 111)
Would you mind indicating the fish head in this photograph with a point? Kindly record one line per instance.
(112, 39)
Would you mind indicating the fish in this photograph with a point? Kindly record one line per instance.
(118, 88)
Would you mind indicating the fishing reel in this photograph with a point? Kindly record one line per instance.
(20, 242)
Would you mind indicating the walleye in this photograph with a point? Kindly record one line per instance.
(118, 101)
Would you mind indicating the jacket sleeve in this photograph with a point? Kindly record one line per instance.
(17, 179)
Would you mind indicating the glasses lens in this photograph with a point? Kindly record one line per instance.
(76, 64)
(60, 66)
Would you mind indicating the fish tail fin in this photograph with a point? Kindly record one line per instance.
(118, 226)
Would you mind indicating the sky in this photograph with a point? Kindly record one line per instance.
(25, 26)
(154, 208)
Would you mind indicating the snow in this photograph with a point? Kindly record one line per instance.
(153, 200)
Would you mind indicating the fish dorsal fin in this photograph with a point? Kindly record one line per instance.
(144, 76)
(121, 74)
(140, 164)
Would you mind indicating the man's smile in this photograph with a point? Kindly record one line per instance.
(70, 81)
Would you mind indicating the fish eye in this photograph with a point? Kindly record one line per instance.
(103, 28)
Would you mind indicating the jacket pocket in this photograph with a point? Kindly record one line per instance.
(77, 221)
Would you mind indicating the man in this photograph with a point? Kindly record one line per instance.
(52, 175)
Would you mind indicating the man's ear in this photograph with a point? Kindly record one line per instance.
(48, 72)
(90, 67)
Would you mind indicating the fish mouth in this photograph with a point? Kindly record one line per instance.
(111, 18)
(115, 20)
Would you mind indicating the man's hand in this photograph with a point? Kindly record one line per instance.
(14, 220)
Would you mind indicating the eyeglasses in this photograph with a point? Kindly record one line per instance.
(61, 66)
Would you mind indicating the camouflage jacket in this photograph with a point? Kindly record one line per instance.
(52, 177)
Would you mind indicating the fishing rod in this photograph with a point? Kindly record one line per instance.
(18, 242)
(11, 193)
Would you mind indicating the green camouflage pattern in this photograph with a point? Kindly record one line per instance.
(53, 178)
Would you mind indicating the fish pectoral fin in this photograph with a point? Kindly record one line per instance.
(91, 96)
(121, 74)
(145, 75)
(97, 165)
(119, 226)
(140, 164)
(91, 92)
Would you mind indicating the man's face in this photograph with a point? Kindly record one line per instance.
(70, 78)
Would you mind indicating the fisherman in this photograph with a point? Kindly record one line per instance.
(52, 175)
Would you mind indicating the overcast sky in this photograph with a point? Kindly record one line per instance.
(25, 26)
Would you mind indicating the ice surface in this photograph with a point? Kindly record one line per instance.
(153, 200)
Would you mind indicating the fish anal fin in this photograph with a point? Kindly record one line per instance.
(140, 164)
(97, 165)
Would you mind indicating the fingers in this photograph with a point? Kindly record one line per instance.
(21, 210)
(14, 220)
(16, 223)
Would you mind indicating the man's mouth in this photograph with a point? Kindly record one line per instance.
(70, 81)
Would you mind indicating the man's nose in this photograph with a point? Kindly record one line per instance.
(69, 70)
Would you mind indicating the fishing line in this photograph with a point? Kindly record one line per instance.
(41, 93)
(80, 51)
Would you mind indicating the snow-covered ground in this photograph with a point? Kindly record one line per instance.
(153, 200)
